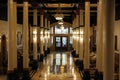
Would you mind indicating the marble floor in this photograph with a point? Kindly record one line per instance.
(57, 66)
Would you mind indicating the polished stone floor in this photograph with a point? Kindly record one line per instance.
(57, 66)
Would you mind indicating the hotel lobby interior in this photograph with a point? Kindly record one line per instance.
(59, 39)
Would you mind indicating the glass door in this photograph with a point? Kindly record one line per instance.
(61, 43)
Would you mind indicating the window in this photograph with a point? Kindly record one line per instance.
(58, 30)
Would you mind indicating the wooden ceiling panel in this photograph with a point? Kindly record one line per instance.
(59, 5)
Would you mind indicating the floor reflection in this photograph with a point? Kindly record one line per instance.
(57, 66)
(58, 63)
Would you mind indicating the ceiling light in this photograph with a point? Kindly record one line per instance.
(59, 15)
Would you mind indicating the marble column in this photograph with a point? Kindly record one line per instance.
(25, 35)
(12, 64)
(46, 41)
(41, 35)
(35, 34)
(15, 34)
(99, 38)
(77, 34)
(87, 35)
(81, 33)
(108, 38)
(49, 34)
(73, 45)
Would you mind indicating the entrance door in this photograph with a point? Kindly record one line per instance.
(61, 43)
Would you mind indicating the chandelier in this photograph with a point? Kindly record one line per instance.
(59, 15)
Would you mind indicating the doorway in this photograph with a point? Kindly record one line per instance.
(61, 43)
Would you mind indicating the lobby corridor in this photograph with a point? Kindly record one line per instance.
(57, 66)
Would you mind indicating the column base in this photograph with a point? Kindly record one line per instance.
(86, 74)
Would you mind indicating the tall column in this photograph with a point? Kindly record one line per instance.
(99, 38)
(87, 35)
(73, 35)
(77, 37)
(12, 50)
(15, 34)
(49, 34)
(41, 37)
(25, 35)
(81, 33)
(35, 34)
(46, 41)
(108, 38)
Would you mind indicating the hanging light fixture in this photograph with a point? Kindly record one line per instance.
(59, 15)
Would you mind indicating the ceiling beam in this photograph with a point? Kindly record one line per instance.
(54, 11)
(21, 5)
